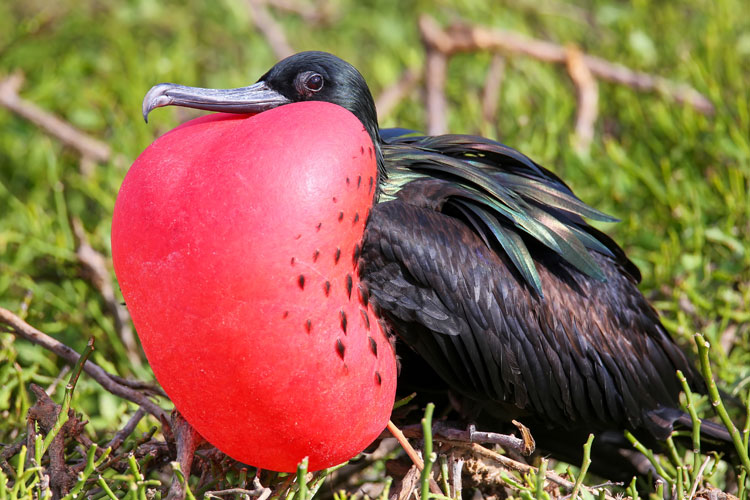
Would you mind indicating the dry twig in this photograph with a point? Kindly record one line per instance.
(588, 98)
(412, 453)
(96, 270)
(464, 38)
(394, 93)
(107, 380)
(435, 74)
(319, 12)
(491, 91)
(272, 31)
(126, 431)
(90, 149)
(187, 441)
(480, 451)
(408, 485)
(50, 390)
(456, 465)
(44, 413)
(471, 436)
(441, 43)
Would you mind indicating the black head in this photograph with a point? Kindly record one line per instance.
(307, 76)
(320, 76)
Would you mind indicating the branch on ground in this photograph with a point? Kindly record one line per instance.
(106, 379)
(96, 270)
(490, 458)
(440, 44)
(91, 150)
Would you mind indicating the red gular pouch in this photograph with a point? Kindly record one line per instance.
(233, 240)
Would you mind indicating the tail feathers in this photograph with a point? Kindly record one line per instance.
(714, 437)
(662, 421)
(709, 430)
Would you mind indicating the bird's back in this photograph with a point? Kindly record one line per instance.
(483, 265)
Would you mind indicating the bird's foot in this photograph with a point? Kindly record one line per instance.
(187, 440)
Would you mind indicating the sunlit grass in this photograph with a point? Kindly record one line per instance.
(678, 180)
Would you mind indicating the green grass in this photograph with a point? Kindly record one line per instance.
(678, 180)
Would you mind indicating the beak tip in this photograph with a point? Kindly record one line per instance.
(157, 97)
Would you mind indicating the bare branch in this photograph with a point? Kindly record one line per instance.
(126, 431)
(89, 148)
(511, 464)
(272, 31)
(319, 12)
(435, 75)
(413, 455)
(392, 95)
(96, 270)
(258, 490)
(50, 390)
(408, 485)
(150, 388)
(491, 91)
(588, 98)
(456, 465)
(471, 436)
(28, 332)
(405, 444)
(464, 38)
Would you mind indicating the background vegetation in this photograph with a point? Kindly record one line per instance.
(678, 180)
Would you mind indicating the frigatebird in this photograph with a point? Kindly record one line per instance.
(482, 266)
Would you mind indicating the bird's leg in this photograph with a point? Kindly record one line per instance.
(187, 441)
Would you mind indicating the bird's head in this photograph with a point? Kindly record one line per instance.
(306, 76)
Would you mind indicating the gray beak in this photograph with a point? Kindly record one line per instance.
(253, 99)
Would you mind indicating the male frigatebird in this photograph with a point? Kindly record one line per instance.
(480, 263)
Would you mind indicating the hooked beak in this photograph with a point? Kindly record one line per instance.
(253, 99)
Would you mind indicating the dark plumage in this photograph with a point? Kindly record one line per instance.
(483, 267)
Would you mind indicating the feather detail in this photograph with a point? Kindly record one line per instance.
(504, 196)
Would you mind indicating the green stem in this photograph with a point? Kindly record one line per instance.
(106, 488)
(633, 491)
(584, 466)
(302, 480)
(444, 475)
(386, 488)
(679, 481)
(540, 477)
(648, 454)
(63, 416)
(713, 393)
(429, 457)
(690, 405)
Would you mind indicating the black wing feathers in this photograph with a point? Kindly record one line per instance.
(504, 196)
(573, 356)
(483, 263)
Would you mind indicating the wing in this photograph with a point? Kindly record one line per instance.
(504, 196)
(589, 351)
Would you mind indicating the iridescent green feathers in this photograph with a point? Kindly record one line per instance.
(504, 197)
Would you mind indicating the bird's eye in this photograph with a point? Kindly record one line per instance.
(314, 82)
(309, 83)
